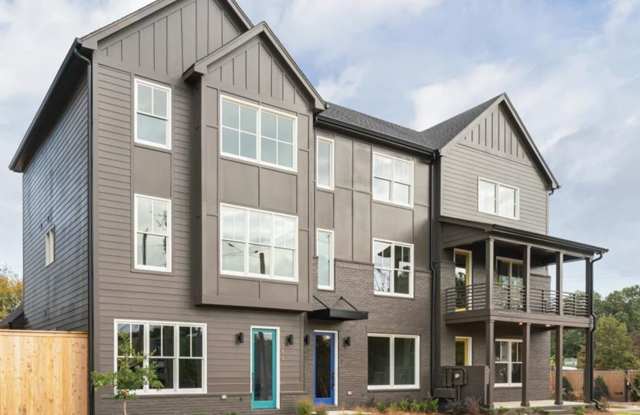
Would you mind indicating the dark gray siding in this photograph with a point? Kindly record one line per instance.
(55, 194)
(492, 148)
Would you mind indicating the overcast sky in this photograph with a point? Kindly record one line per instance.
(571, 68)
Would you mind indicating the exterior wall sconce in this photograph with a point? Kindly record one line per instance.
(240, 338)
(290, 340)
(347, 341)
(306, 339)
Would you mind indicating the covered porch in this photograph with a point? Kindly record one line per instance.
(513, 281)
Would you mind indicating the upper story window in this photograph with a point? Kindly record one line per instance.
(324, 163)
(258, 243)
(392, 268)
(392, 179)
(498, 199)
(252, 132)
(324, 247)
(176, 350)
(152, 233)
(49, 247)
(153, 114)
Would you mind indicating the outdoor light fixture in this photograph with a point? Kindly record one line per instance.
(240, 338)
(347, 341)
(289, 339)
(306, 339)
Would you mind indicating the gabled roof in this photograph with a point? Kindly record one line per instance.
(263, 30)
(440, 134)
(434, 138)
(91, 40)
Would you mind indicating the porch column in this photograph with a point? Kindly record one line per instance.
(488, 261)
(527, 277)
(491, 360)
(559, 362)
(589, 355)
(559, 276)
(526, 349)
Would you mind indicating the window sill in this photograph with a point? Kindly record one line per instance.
(325, 188)
(256, 162)
(508, 385)
(163, 271)
(239, 275)
(389, 295)
(392, 204)
(172, 394)
(330, 289)
(152, 146)
(398, 388)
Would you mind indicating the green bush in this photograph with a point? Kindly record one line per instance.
(304, 407)
(635, 389)
(567, 390)
(579, 410)
(600, 389)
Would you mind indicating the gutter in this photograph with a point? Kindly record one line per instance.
(90, 302)
(374, 136)
(435, 282)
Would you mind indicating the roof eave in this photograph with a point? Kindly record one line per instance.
(375, 136)
(18, 163)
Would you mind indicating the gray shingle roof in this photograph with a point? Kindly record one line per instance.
(433, 138)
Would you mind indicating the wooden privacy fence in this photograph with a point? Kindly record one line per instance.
(614, 379)
(43, 372)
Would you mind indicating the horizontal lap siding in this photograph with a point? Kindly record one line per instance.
(55, 194)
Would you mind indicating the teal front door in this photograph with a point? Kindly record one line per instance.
(264, 368)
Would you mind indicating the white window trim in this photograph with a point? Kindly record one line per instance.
(278, 387)
(136, 266)
(176, 342)
(332, 252)
(411, 273)
(509, 364)
(496, 200)
(248, 274)
(411, 190)
(336, 357)
(416, 364)
(469, 355)
(49, 247)
(137, 140)
(258, 159)
(332, 168)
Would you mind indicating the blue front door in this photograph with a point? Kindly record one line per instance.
(324, 368)
(264, 378)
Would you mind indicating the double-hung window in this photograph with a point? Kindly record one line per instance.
(393, 362)
(508, 362)
(498, 199)
(324, 248)
(392, 268)
(324, 163)
(255, 133)
(177, 351)
(392, 180)
(152, 233)
(153, 114)
(258, 243)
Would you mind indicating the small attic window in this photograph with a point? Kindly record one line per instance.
(153, 114)
(49, 247)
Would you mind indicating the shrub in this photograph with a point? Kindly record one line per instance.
(600, 389)
(458, 407)
(567, 390)
(321, 410)
(430, 406)
(304, 407)
(381, 407)
(635, 389)
(579, 410)
(473, 406)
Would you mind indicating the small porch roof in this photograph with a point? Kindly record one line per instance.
(458, 232)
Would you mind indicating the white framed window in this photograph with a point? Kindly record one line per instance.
(152, 233)
(464, 351)
(392, 179)
(258, 134)
(152, 121)
(498, 199)
(49, 247)
(392, 268)
(508, 362)
(325, 252)
(178, 351)
(325, 163)
(393, 361)
(258, 243)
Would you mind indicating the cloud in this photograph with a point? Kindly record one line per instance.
(344, 86)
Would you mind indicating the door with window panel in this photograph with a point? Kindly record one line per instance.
(509, 284)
